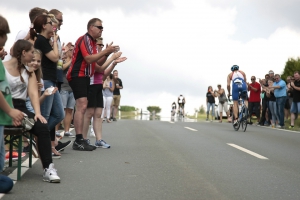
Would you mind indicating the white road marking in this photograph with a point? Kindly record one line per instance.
(248, 151)
(190, 128)
(171, 122)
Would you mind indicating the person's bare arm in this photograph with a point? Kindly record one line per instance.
(15, 114)
(46, 93)
(53, 55)
(95, 57)
(34, 98)
(295, 87)
(108, 62)
(252, 88)
(228, 85)
(102, 60)
(66, 64)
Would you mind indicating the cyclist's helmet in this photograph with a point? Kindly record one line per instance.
(235, 67)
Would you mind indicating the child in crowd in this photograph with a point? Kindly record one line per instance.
(108, 88)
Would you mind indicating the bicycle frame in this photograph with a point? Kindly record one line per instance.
(242, 115)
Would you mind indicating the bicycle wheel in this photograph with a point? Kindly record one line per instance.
(235, 126)
(244, 118)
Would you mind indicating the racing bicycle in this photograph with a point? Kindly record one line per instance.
(242, 115)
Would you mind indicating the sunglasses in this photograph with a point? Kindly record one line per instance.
(101, 45)
(252, 79)
(60, 20)
(49, 23)
(99, 27)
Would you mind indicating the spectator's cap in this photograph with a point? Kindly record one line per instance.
(271, 72)
(219, 85)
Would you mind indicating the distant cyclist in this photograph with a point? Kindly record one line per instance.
(181, 102)
(173, 111)
(238, 80)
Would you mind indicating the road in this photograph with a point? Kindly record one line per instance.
(159, 160)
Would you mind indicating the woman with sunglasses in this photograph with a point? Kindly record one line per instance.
(51, 108)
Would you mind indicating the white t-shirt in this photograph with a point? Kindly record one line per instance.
(22, 34)
(17, 87)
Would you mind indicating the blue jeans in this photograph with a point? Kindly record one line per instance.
(6, 184)
(52, 107)
(273, 109)
(2, 148)
(295, 108)
(28, 105)
(213, 108)
(280, 102)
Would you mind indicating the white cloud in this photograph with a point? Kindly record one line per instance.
(181, 50)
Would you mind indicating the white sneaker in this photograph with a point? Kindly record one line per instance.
(50, 174)
(92, 133)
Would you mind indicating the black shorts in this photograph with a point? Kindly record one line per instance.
(95, 98)
(287, 104)
(80, 86)
(181, 105)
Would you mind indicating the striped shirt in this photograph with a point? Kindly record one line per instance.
(84, 46)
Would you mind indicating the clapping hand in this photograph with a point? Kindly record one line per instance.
(112, 48)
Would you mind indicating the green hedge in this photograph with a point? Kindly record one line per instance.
(127, 108)
(155, 108)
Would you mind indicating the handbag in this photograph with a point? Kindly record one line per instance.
(27, 123)
(222, 99)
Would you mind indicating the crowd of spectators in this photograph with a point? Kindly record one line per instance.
(271, 100)
(57, 84)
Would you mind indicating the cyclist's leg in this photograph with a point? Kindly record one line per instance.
(244, 93)
(235, 109)
(235, 97)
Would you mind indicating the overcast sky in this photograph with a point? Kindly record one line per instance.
(179, 47)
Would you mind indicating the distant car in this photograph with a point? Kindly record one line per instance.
(4, 87)
(144, 111)
(217, 114)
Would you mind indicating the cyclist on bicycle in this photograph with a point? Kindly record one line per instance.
(239, 88)
(181, 102)
(173, 111)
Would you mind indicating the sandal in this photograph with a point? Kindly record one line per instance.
(108, 121)
(55, 152)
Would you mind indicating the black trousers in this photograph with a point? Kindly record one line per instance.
(265, 105)
(41, 131)
(256, 107)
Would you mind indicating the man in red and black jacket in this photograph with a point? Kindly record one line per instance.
(254, 98)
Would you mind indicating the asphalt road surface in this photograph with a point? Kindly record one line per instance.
(160, 160)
